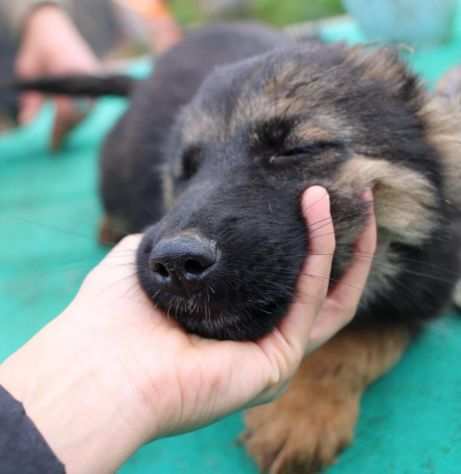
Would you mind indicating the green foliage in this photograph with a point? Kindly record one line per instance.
(277, 12)
(294, 11)
(187, 11)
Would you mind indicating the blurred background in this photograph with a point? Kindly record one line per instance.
(117, 30)
(50, 211)
(273, 11)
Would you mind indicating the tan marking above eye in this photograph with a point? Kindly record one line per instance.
(201, 127)
(304, 131)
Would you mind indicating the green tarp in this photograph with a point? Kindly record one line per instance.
(410, 421)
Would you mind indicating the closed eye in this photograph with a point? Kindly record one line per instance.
(311, 148)
(305, 150)
(190, 162)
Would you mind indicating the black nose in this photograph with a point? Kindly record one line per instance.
(180, 264)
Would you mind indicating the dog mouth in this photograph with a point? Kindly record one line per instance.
(210, 292)
(198, 314)
(203, 315)
(223, 311)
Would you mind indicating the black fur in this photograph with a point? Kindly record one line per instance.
(237, 179)
(251, 208)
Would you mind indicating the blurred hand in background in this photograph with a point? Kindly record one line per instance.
(51, 44)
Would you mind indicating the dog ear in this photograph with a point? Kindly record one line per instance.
(384, 65)
(440, 115)
(442, 118)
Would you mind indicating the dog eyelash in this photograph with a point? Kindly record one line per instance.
(311, 149)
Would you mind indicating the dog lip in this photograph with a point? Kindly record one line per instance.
(183, 286)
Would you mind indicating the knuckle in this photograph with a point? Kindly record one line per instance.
(275, 379)
(311, 302)
(88, 282)
(349, 311)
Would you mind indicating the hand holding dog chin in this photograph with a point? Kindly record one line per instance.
(111, 373)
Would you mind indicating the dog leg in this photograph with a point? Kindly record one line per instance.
(314, 420)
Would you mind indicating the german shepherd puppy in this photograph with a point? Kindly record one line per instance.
(210, 160)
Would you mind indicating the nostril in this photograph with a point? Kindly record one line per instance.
(195, 267)
(160, 269)
(181, 264)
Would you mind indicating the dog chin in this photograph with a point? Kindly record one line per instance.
(213, 321)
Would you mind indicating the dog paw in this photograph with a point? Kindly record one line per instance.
(291, 438)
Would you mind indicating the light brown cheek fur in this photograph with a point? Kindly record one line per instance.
(314, 420)
(405, 208)
(405, 203)
(167, 188)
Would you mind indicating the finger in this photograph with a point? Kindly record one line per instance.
(343, 301)
(283, 349)
(311, 289)
(29, 106)
(313, 281)
(350, 288)
(67, 117)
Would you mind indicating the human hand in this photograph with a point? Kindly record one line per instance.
(51, 45)
(112, 373)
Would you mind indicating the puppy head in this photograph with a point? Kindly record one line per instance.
(224, 260)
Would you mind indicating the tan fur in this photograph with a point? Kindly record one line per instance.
(314, 420)
(167, 188)
(385, 267)
(309, 132)
(274, 100)
(379, 65)
(441, 114)
(443, 122)
(201, 127)
(404, 199)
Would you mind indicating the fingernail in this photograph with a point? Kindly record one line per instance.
(313, 195)
(368, 195)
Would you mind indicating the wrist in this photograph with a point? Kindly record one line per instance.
(74, 397)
